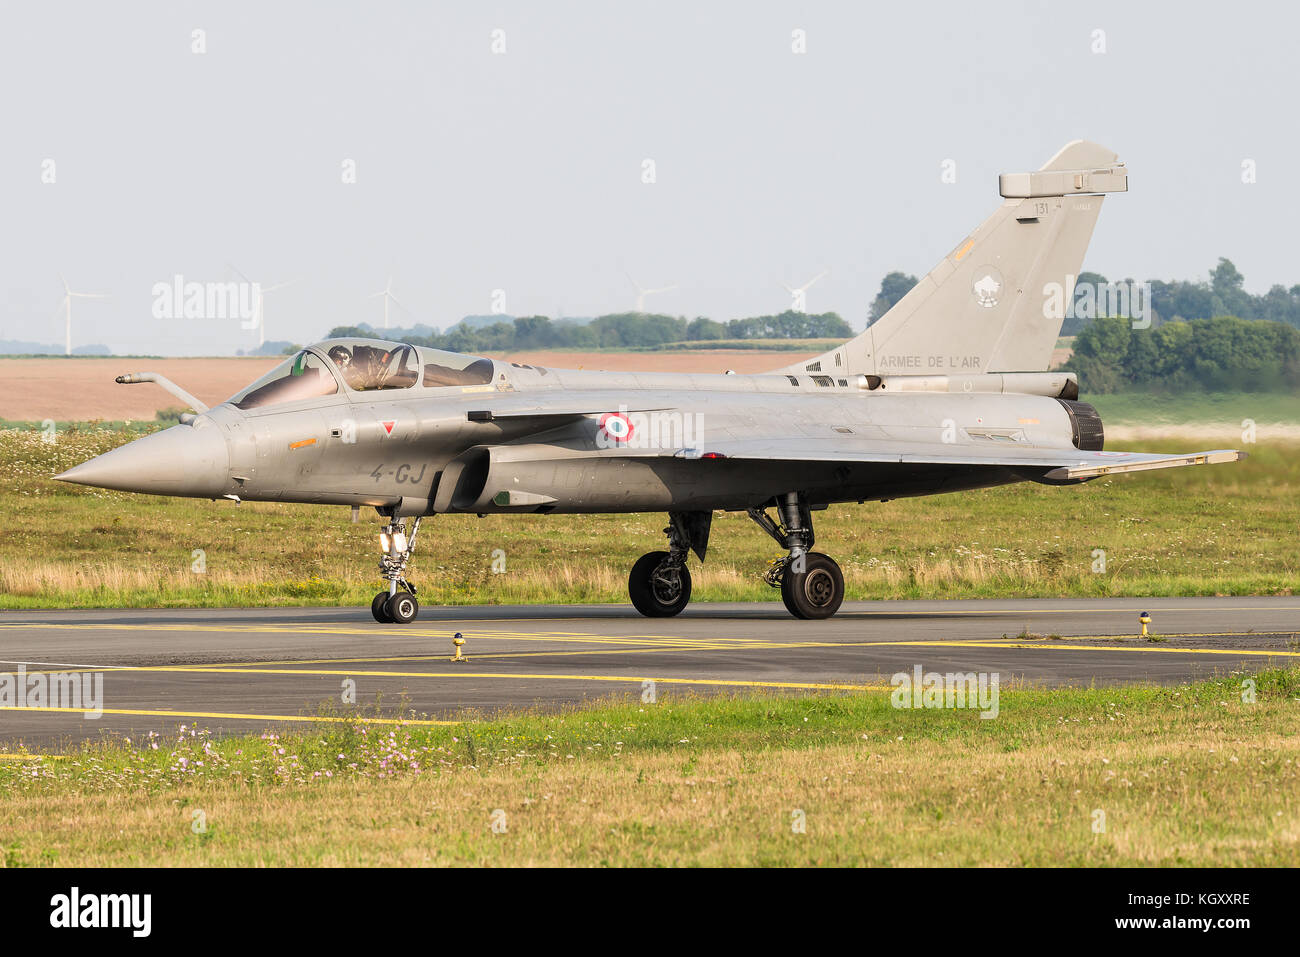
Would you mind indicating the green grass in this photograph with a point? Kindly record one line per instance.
(1226, 408)
(134, 427)
(1225, 529)
(1186, 775)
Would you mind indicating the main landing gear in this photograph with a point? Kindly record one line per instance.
(660, 582)
(812, 585)
(397, 605)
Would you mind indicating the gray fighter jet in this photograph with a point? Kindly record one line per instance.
(947, 391)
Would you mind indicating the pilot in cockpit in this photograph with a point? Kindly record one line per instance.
(369, 367)
(353, 374)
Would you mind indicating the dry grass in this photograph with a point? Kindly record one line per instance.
(1226, 529)
(924, 804)
(97, 584)
(1184, 776)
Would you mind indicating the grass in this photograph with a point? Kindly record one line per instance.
(1226, 529)
(1227, 408)
(1188, 775)
(132, 428)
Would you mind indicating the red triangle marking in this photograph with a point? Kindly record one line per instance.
(388, 427)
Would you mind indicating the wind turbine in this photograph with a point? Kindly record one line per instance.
(799, 294)
(642, 293)
(68, 296)
(387, 293)
(259, 314)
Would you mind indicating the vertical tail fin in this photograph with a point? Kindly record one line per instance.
(983, 308)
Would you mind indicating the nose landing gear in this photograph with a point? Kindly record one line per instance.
(398, 604)
(812, 585)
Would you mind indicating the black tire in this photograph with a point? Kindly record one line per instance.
(402, 608)
(815, 592)
(658, 596)
(378, 608)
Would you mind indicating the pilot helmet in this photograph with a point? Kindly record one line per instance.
(341, 356)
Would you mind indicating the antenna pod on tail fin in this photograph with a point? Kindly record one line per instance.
(982, 309)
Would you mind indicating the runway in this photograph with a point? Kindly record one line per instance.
(250, 669)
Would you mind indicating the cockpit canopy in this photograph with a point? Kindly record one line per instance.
(361, 365)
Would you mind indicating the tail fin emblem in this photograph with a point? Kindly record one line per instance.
(987, 287)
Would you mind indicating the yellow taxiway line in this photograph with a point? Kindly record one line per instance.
(32, 757)
(424, 722)
(497, 675)
(262, 668)
(277, 667)
(1063, 645)
(758, 645)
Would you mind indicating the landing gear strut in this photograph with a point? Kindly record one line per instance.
(812, 585)
(397, 604)
(660, 582)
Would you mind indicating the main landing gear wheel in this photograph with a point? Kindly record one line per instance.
(402, 608)
(815, 592)
(659, 587)
(812, 585)
(379, 608)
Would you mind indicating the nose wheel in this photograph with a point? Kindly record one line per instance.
(398, 605)
(401, 608)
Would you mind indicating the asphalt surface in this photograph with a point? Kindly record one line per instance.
(251, 669)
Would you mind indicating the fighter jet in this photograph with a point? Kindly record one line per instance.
(947, 391)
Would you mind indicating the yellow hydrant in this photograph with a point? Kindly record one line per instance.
(1145, 618)
(459, 642)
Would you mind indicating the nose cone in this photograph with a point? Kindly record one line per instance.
(187, 460)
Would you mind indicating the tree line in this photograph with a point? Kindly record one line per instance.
(615, 331)
(1204, 334)
(1173, 300)
(1225, 353)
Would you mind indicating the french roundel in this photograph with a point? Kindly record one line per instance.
(616, 425)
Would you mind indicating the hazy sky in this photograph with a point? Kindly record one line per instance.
(522, 171)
